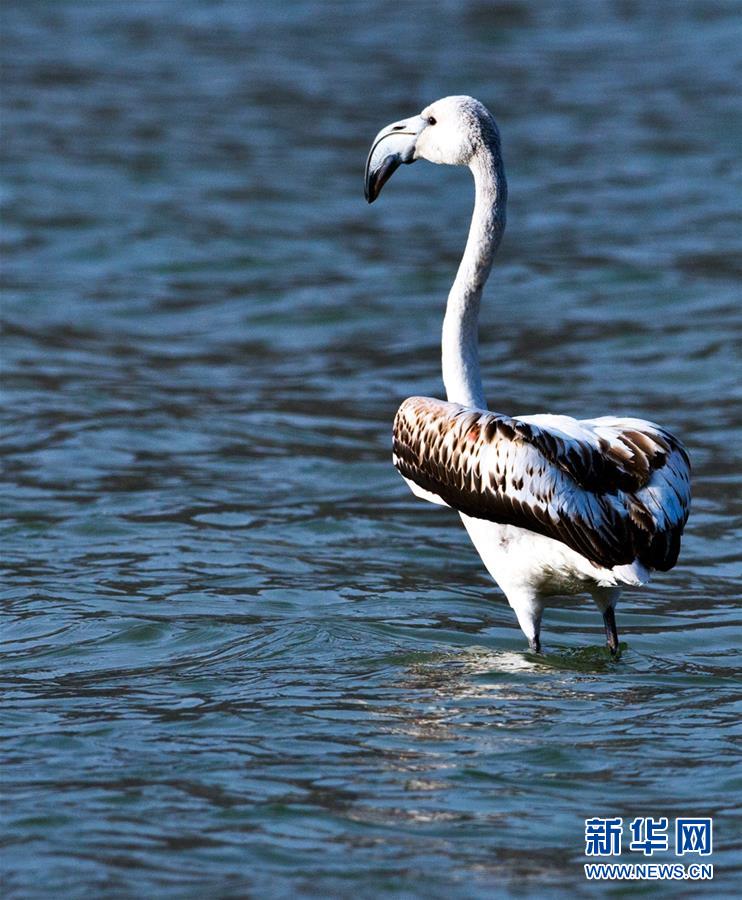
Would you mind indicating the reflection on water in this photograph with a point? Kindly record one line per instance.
(239, 655)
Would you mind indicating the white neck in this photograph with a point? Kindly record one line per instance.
(459, 346)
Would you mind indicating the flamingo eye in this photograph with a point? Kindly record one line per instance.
(431, 120)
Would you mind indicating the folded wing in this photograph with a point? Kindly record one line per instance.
(614, 490)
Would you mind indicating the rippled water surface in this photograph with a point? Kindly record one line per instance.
(240, 659)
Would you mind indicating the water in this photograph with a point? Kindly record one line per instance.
(239, 657)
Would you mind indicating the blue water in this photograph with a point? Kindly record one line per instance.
(240, 658)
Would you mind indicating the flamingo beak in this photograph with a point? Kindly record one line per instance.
(393, 146)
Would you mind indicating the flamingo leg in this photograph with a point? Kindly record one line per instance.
(611, 634)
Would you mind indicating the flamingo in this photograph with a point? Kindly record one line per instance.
(555, 506)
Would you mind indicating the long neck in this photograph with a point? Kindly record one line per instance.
(460, 350)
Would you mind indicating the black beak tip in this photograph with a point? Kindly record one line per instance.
(370, 187)
(376, 179)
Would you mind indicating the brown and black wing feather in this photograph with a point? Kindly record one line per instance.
(614, 490)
